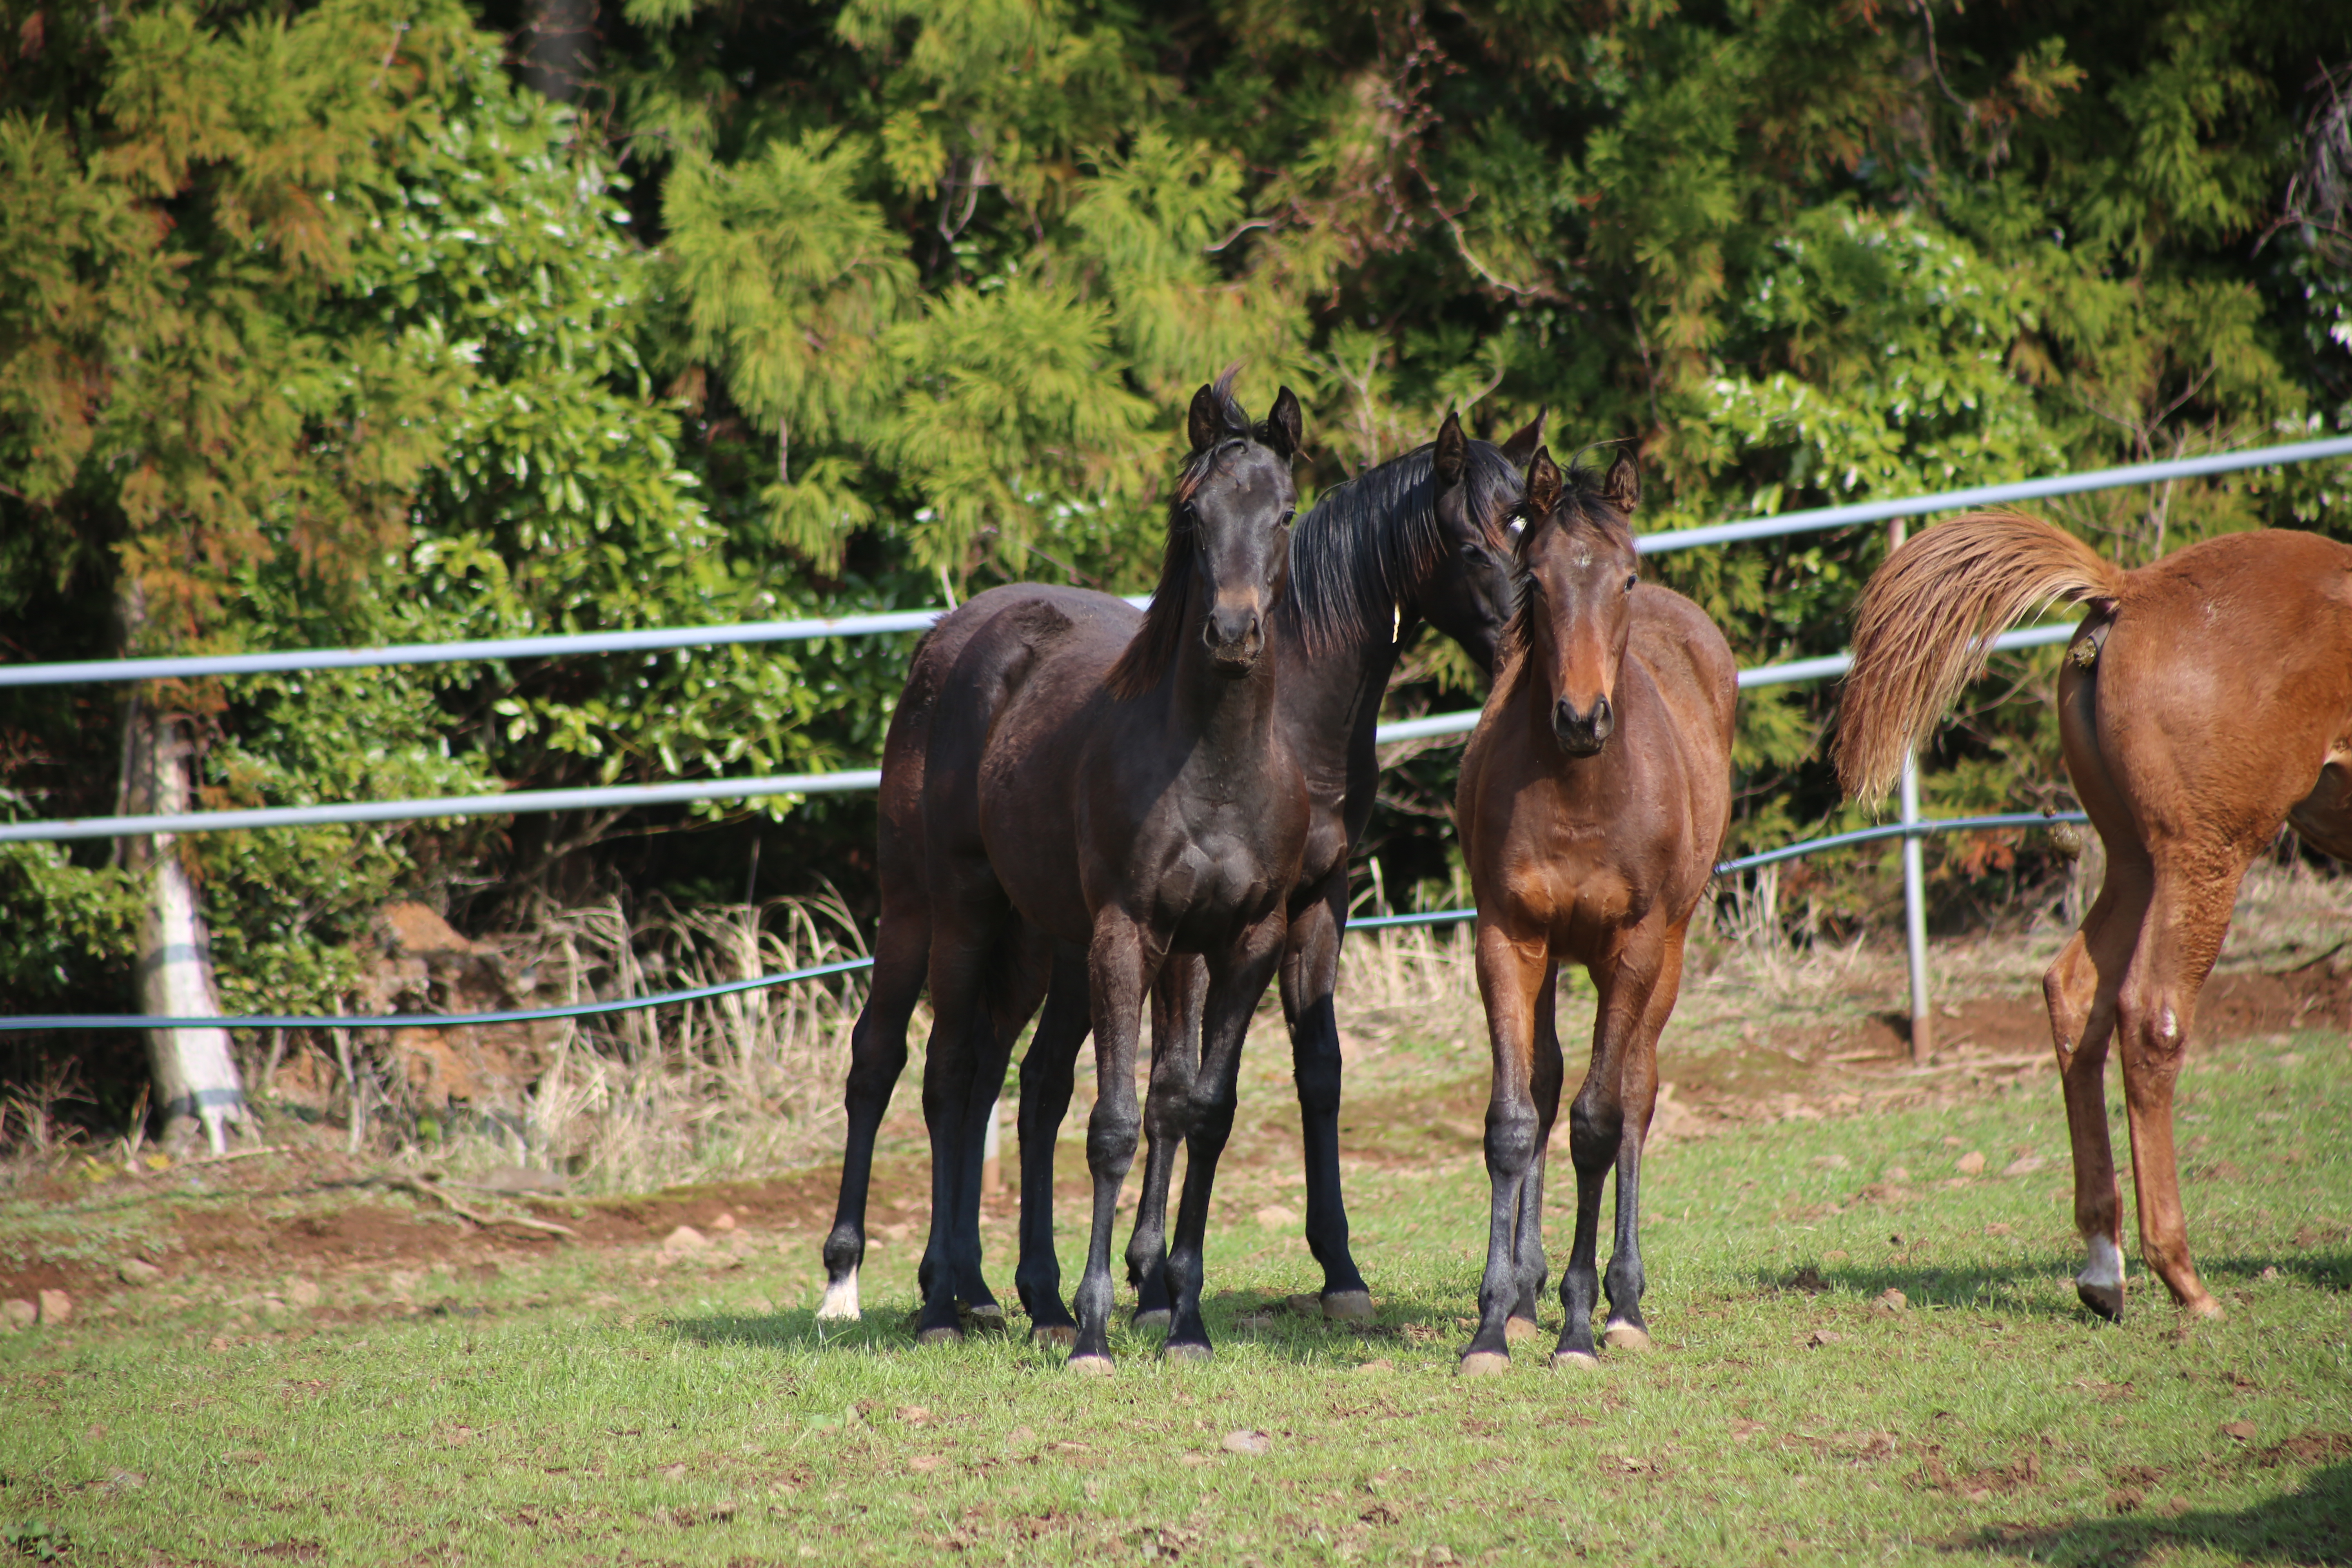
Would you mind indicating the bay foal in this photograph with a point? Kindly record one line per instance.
(2206, 700)
(1594, 796)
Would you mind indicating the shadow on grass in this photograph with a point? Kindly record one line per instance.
(2040, 1286)
(2311, 1524)
(1299, 1339)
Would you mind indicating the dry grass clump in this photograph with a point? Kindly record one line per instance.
(700, 1090)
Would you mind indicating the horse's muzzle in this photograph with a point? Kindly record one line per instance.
(1235, 636)
(1582, 734)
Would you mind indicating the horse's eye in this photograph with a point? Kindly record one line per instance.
(1286, 517)
(1631, 580)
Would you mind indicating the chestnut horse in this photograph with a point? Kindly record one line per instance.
(2206, 700)
(1417, 538)
(1595, 794)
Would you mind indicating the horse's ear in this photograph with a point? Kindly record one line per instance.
(1283, 425)
(1544, 485)
(1622, 487)
(1452, 449)
(1522, 447)
(1206, 424)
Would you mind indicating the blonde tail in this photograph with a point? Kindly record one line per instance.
(1927, 621)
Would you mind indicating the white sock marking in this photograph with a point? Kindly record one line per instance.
(840, 1302)
(2106, 1269)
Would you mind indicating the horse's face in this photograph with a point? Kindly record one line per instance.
(1581, 571)
(1468, 597)
(1240, 519)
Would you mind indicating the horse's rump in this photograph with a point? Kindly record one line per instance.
(1925, 624)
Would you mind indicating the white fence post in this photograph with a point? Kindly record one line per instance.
(1915, 917)
(1914, 892)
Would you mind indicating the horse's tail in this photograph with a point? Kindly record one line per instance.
(1925, 624)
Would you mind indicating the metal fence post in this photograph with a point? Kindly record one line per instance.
(1915, 917)
(1914, 893)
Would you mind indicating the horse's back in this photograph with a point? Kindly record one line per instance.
(2223, 681)
(1686, 654)
(977, 666)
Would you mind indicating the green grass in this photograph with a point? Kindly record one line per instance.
(569, 1411)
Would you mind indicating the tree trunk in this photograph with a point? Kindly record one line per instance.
(196, 1084)
(558, 47)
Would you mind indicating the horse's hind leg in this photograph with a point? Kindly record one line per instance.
(967, 945)
(1176, 1002)
(1526, 1247)
(2188, 916)
(877, 1054)
(1310, 976)
(1511, 975)
(2081, 990)
(1045, 1074)
(1015, 989)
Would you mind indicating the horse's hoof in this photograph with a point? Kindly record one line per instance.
(2106, 1300)
(1518, 1329)
(1092, 1366)
(2203, 1306)
(1575, 1361)
(1061, 1336)
(1625, 1337)
(1483, 1364)
(1157, 1317)
(1349, 1305)
(1193, 1354)
(987, 1319)
(840, 1303)
(938, 1335)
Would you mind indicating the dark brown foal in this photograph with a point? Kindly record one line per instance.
(1594, 798)
(2206, 700)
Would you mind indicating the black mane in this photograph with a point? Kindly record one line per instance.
(1372, 540)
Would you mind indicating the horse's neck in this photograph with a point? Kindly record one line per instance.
(1331, 698)
(1230, 721)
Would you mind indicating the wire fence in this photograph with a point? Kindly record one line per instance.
(657, 639)
(854, 966)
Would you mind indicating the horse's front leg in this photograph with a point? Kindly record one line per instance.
(1512, 973)
(1046, 1075)
(1650, 975)
(1310, 975)
(1528, 1247)
(1176, 1002)
(1625, 974)
(1236, 980)
(1121, 961)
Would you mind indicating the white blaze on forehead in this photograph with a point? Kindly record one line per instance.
(2106, 1265)
(1583, 559)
